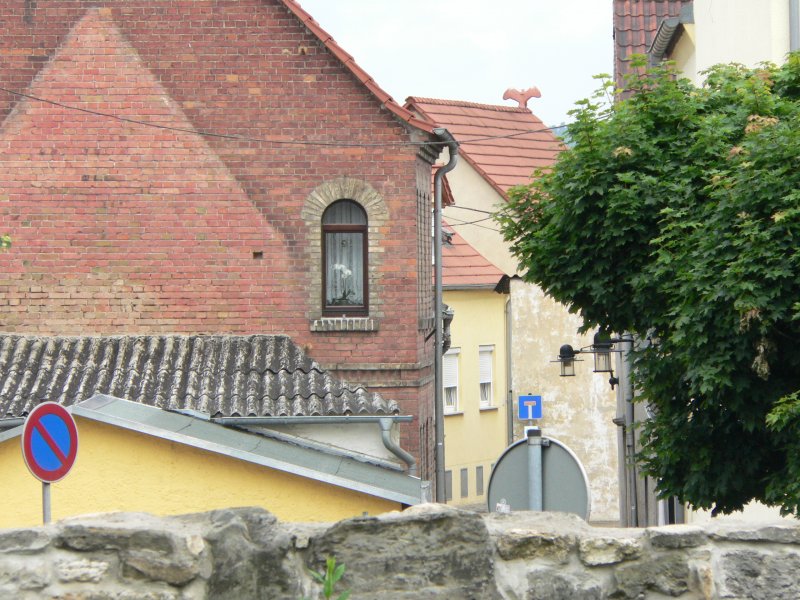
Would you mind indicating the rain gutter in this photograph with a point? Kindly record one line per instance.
(310, 420)
(385, 423)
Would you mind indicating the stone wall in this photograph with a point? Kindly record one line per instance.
(423, 553)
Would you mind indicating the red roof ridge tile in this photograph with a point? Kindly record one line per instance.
(349, 62)
(462, 103)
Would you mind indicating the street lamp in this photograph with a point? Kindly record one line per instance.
(601, 348)
(602, 353)
(566, 356)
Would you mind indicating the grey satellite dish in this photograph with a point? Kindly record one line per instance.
(564, 486)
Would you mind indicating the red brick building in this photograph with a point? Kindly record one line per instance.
(170, 167)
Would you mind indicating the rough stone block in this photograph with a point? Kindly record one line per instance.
(23, 541)
(608, 550)
(81, 570)
(779, 533)
(677, 536)
(428, 551)
(666, 574)
(522, 544)
(29, 573)
(250, 551)
(759, 575)
(550, 584)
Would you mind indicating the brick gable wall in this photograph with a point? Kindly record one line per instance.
(121, 228)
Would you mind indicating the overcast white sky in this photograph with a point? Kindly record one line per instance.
(474, 50)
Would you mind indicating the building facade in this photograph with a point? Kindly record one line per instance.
(500, 147)
(217, 168)
(475, 371)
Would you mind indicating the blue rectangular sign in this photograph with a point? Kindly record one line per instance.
(530, 407)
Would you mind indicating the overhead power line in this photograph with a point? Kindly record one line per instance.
(459, 223)
(244, 138)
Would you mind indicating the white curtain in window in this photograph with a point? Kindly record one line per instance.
(345, 269)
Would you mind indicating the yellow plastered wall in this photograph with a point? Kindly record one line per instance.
(474, 436)
(685, 54)
(121, 470)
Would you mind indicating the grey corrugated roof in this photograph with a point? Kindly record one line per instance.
(220, 375)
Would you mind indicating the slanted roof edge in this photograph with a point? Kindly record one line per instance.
(349, 62)
(668, 32)
(101, 408)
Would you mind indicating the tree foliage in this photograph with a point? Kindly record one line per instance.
(675, 215)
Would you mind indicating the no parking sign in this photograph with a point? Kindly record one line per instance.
(49, 442)
(49, 446)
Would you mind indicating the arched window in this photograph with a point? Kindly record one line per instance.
(344, 256)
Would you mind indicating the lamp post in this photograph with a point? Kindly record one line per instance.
(602, 347)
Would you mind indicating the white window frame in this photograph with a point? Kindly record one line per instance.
(486, 375)
(450, 381)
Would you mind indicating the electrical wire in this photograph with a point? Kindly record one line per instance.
(477, 210)
(459, 223)
(245, 138)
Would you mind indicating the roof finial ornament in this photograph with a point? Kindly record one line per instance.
(522, 97)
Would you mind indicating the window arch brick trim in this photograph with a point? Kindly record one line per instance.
(320, 198)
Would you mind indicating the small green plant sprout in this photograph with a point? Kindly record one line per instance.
(330, 578)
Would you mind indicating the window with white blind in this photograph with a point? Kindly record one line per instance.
(450, 379)
(486, 358)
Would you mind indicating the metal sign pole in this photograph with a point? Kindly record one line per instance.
(46, 502)
(535, 469)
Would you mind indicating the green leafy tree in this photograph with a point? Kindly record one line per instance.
(675, 215)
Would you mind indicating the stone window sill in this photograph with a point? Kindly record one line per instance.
(344, 324)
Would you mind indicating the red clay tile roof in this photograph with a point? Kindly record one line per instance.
(635, 25)
(359, 73)
(465, 267)
(504, 161)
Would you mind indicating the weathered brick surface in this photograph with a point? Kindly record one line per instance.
(123, 228)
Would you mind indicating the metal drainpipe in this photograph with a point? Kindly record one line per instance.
(794, 25)
(389, 443)
(452, 146)
(509, 375)
(630, 442)
(11, 423)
